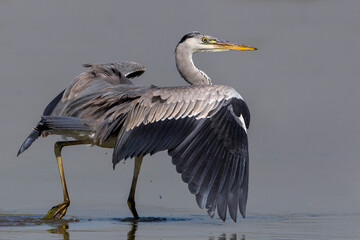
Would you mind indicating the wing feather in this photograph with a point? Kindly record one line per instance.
(204, 133)
(206, 109)
(189, 155)
(233, 196)
(161, 111)
(176, 113)
(202, 186)
(189, 109)
(180, 126)
(209, 175)
(214, 185)
(167, 126)
(221, 197)
(170, 110)
(198, 166)
(147, 136)
(200, 172)
(195, 158)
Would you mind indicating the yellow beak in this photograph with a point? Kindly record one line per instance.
(231, 46)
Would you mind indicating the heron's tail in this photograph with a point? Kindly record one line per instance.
(56, 123)
(29, 140)
(35, 133)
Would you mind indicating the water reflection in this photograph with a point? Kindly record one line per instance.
(62, 230)
(131, 233)
(57, 226)
(224, 237)
(61, 227)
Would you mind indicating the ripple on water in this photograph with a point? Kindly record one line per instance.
(14, 220)
(29, 220)
(151, 219)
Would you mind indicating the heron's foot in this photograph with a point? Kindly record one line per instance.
(131, 204)
(58, 211)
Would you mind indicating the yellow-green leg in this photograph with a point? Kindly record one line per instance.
(131, 199)
(59, 210)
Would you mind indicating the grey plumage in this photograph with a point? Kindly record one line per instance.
(99, 76)
(203, 126)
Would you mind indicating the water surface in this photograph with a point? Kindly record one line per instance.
(187, 227)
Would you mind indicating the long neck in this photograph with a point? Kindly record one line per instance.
(187, 69)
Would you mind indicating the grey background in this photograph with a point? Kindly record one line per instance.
(302, 87)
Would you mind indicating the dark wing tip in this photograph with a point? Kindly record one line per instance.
(135, 73)
(242, 206)
(129, 69)
(87, 65)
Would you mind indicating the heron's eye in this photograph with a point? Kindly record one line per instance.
(204, 40)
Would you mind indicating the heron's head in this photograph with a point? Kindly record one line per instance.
(199, 42)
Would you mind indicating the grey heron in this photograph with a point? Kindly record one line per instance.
(203, 126)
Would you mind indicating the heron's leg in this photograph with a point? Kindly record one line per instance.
(131, 199)
(59, 210)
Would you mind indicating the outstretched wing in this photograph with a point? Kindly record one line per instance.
(204, 130)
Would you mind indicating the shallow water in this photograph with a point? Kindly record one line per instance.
(326, 226)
